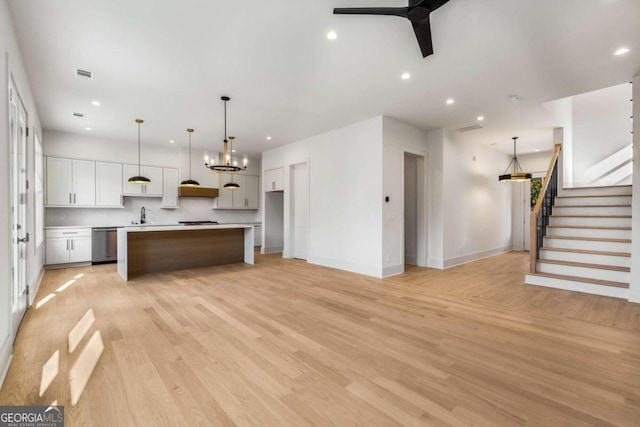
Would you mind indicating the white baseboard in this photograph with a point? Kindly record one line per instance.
(435, 263)
(33, 289)
(452, 262)
(272, 249)
(411, 259)
(367, 270)
(5, 358)
(392, 270)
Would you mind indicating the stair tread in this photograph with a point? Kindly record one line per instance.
(595, 195)
(604, 186)
(583, 280)
(595, 239)
(592, 206)
(589, 227)
(583, 251)
(590, 216)
(586, 265)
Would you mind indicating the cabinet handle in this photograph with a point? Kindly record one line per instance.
(71, 244)
(74, 198)
(70, 198)
(67, 244)
(273, 185)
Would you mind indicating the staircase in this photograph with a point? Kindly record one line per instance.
(587, 246)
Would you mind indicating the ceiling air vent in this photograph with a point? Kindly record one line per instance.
(470, 128)
(81, 115)
(84, 74)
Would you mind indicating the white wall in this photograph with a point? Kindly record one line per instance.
(400, 138)
(601, 127)
(345, 183)
(476, 206)
(62, 144)
(10, 60)
(410, 208)
(562, 111)
(634, 290)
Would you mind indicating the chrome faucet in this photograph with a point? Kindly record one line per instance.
(143, 218)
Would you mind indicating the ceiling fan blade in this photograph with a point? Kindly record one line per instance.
(433, 4)
(393, 11)
(423, 34)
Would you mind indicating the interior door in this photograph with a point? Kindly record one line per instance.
(19, 236)
(300, 191)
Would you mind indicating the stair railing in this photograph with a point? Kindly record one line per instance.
(543, 209)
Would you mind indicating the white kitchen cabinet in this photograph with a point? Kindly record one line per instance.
(257, 235)
(67, 245)
(171, 183)
(70, 183)
(245, 197)
(154, 189)
(274, 180)
(252, 191)
(109, 185)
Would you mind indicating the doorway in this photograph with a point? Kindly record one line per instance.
(415, 210)
(299, 190)
(18, 134)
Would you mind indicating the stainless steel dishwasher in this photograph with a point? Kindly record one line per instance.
(104, 245)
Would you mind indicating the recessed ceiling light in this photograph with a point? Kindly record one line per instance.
(515, 98)
(450, 101)
(405, 76)
(332, 35)
(88, 129)
(171, 141)
(480, 118)
(621, 51)
(269, 138)
(537, 149)
(233, 151)
(95, 103)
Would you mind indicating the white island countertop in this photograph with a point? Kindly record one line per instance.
(177, 250)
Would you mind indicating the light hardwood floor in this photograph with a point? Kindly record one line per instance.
(286, 343)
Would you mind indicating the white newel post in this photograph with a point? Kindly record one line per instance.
(634, 289)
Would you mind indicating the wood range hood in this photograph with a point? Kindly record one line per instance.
(197, 192)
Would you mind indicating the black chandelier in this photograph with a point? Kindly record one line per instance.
(516, 174)
(225, 165)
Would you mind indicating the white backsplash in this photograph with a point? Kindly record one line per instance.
(190, 209)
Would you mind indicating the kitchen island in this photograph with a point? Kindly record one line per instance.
(155, 249)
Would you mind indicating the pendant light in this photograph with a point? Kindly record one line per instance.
(517, 174)
(139, 179)
(225, 165)
(189, 182)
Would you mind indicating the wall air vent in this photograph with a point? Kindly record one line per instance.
(81, 115)
(84, 74)
(470, 128)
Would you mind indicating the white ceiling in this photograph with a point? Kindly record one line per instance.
(168, 62)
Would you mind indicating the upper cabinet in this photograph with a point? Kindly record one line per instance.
(154, 189)
(70, 182)
(170, 181)
(245, 197)
(109, 185)
(274, 180)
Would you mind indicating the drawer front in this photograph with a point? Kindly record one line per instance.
(68, 232)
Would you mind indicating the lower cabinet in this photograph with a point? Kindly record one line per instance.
(257, 235)
(67, 245)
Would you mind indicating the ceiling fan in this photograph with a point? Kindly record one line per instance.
(417, 12)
